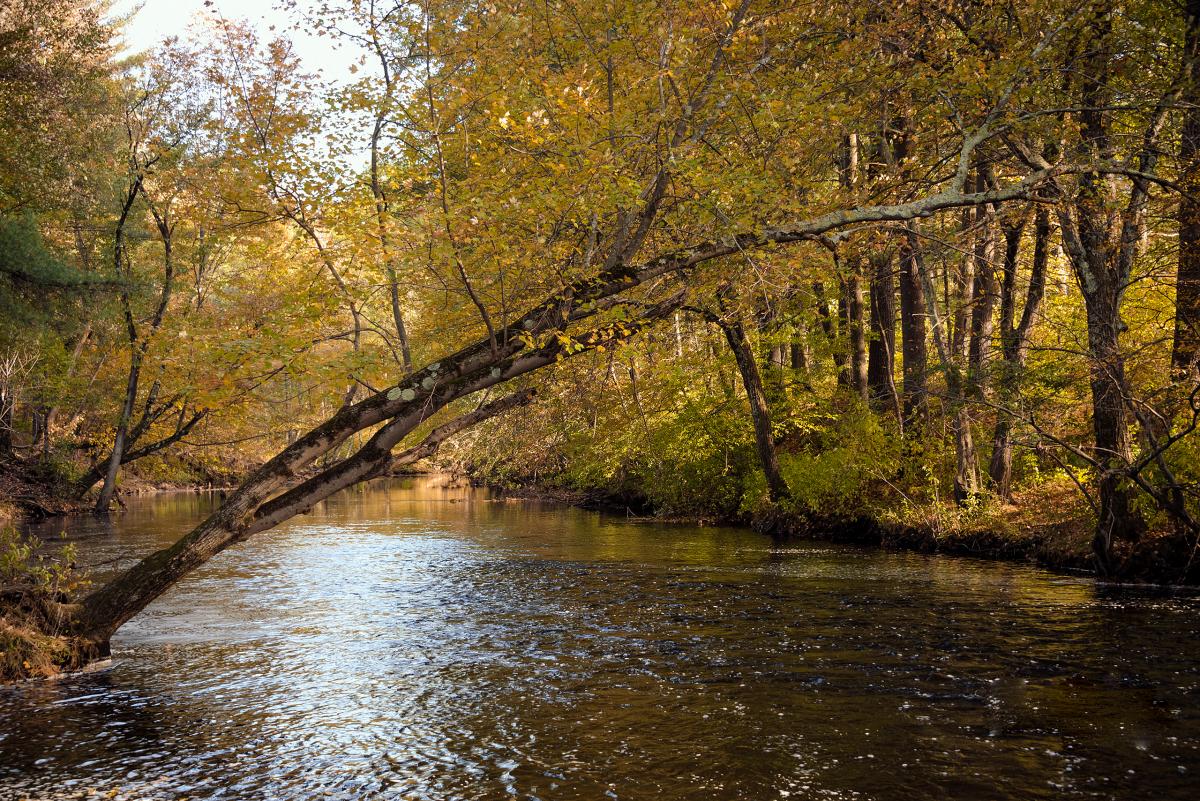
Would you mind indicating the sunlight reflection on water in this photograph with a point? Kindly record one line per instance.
(420, 641)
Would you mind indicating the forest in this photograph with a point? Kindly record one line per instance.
(923, 274)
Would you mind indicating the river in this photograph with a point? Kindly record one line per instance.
(414, 640)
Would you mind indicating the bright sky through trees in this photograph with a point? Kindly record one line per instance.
(155, 20)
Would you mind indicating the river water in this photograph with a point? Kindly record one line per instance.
(416, 640)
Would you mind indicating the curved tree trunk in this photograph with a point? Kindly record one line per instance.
(486, 363)
(109, 475)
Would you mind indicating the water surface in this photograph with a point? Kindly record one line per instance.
(414, 640)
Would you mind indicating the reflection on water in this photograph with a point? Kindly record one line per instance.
(417, 641)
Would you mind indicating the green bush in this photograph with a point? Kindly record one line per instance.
(24, 562)
(846, 459)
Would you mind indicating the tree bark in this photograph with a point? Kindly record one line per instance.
(760, 414)
(1185, 352)
(914, 350)
(109, 476)
(139, 342)
(881, 384)
(401, 409)
(966, 474)
(7, 402)
(856, 329)
(983, 304)
(96, 472)
(1014, 341)
(1100, 238)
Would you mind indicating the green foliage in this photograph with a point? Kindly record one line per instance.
(25, 258)
(34, 280)
(842, 465)
(23, 561)
(696, 465)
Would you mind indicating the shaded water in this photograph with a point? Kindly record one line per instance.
(418, 641)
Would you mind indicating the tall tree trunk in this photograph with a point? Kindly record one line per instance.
(983, 304)
(799, 356)
(1014, 341)
(1186, 350)
(1101, 241)
(6, 423)
(109, 487)
(852, 314)
(914, 349)
(760, 414)
(1117, 520)
(856, 328)
(966, 474)
(957, 289)
(881, 350)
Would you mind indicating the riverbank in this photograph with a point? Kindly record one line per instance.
(34, 490)
(1049, 525)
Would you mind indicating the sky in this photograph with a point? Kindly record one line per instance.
(158, 19)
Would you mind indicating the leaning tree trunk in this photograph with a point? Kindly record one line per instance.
(511, 351)
(109, 487)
